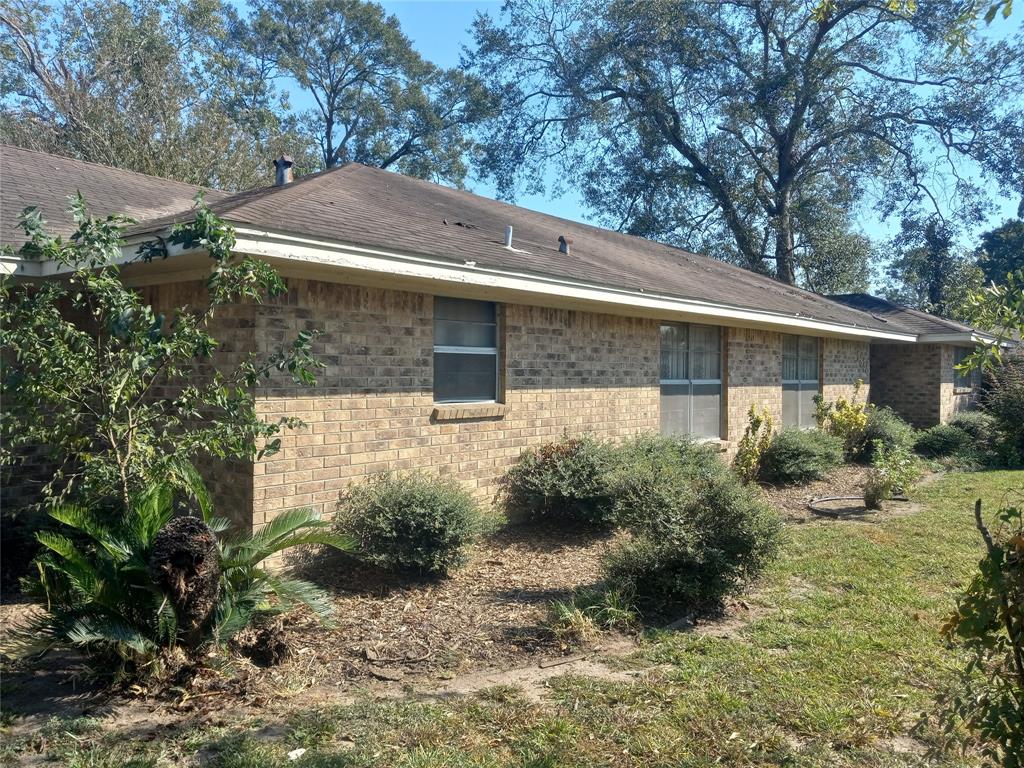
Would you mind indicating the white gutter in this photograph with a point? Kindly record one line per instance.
(306, 250)
(955, 337)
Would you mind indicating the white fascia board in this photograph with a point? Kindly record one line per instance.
(963, 337)
(297, 249)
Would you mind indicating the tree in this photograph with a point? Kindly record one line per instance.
(930, 272)
(147, 86)
(1002, 250)
(712, 122)
(376, 100)
(119, 394)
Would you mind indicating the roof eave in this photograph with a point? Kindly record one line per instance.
(301, 250)
(966, 338)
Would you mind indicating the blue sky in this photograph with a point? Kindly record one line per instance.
(440, 28)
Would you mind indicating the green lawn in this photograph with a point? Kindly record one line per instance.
(840, 660)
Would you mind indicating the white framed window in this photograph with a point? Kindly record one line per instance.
(963, 381)
(691, 380)
(800, 382)
(465, 351)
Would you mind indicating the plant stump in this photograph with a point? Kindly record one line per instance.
(184, 564)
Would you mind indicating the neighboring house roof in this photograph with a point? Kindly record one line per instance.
(905, 318)
(370, 207)
(30, 178)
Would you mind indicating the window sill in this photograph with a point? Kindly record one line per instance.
(464, 411)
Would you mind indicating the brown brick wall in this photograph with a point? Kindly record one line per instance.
(373, 409)
(843, 362)
(951, 400)
(906, 378)
(753, 376)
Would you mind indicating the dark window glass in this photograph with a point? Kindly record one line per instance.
(691, 380)
(465, 351)
(800, 364)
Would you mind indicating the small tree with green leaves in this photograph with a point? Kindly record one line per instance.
(117, 393)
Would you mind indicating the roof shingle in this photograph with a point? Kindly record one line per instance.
(899, 316)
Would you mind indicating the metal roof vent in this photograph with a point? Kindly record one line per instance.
(564, 244)
(284, 173)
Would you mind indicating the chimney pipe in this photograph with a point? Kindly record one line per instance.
(564, 244)
(284, 174)
(508, 236)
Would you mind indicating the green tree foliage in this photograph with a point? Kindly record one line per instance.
(714, 124)
(376, 100)
(118, 393)
(930, 272)
(143, 85)
(1002, 251)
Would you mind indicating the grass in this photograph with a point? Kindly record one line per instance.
(836, 667)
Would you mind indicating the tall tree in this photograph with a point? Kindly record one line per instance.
(143, 85)
(1002, 251)
(930, 272)
(375, 100)
(711, 123)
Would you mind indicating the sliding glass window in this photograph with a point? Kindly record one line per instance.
(691, 380)
(800, 383)
(465, 351)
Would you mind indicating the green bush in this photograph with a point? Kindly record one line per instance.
(563, 481)
(1003, 401)
(410, 522)
(893, 470)
(886, 426)
(978, 424)
(799, 456)
(698, 533)
(943, 440)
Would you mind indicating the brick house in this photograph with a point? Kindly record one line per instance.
(458, 330)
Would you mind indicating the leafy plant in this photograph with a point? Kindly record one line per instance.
(1003, 401)
(846, 419)
(410, 522)
(95, 582)
(893, 470)
(799, 456)
(755, 441)
(942, 440)
(698, 533)
(563, 481)
(86, 358)
(883, 425)
(989, 624)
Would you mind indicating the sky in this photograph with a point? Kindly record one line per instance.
(440, 28)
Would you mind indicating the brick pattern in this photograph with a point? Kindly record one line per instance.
(373, 408)
(951, 400)
(906, 378)
(843, 362)
(753, 366)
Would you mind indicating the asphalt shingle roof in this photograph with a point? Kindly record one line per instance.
(359, 205)
(900, 317)
(29, 178)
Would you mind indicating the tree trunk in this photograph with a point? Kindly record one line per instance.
(784, 268)
(185, 565)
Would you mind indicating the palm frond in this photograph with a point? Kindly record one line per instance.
(106, 630)
(81, 519)
(294, 591)
(185, 477)
(70, 563)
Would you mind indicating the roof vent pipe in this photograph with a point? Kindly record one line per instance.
(508, 236)
(564, 244)
(284, 174)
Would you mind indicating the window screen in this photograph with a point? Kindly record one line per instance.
(799, 380)
(691, 380)
(962, 380)
(465, 351)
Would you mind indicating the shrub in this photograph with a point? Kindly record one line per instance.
(979, 425)
(795, 456)
(756, 438)
(845, 419)
(563, 481)
(1003, 400)
(882, 425)
(893, 470)
(698, 533)
(943, 440)
(95, 579)
(410, 522)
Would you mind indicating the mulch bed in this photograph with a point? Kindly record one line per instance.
(489, 613)
(791, 501)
